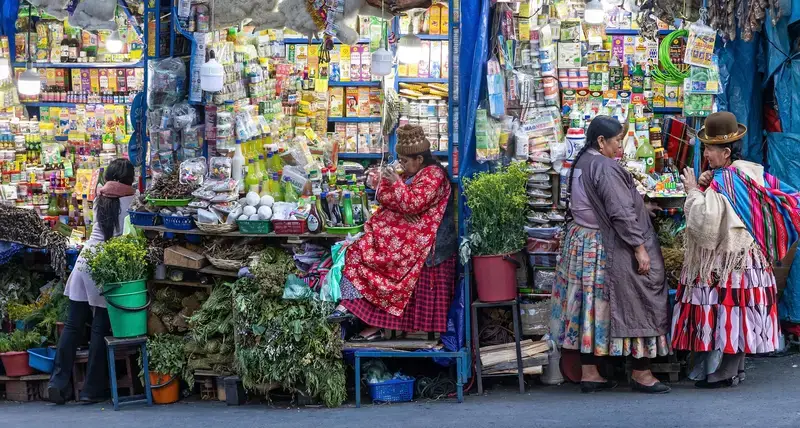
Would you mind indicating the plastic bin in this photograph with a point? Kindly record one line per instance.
(42, 359)
(290, 227)
(392, 391)
(255, 227)
(143, 218)
(178, 223)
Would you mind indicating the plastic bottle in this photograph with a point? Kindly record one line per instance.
(87, 212)
(646, 154)
(237, 166)
(347, 210)
(314, 219)
(365, 202)
(289, 194)
(251, 181)
(52, 206)
(563, 181)
(275, 189)
(637, 79)
(270, 162)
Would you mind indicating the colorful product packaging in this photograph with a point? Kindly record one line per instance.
(351, 102)
(344, 63)
(436, 60)
(363, 102)
(424, 59)
(363, 138)
(336, 102)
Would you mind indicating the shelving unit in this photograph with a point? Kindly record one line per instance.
(63, 105)
(137, 64)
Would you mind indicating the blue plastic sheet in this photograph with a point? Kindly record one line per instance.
(453, 338)
(472, 61)
(8, 250)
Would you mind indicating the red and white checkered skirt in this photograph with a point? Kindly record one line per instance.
(427, 308)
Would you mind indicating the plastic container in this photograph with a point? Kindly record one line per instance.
(178, 223)
(170, 202)
(496, 277)
(345, 230)
(144, 218)
(563, 183)
(16, 364)
(127, 308)
(255, 227)
(166, 389)
(290, 227)
(392, 391)
(42, 359)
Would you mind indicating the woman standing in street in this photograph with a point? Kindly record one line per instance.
(85, 301)
(740, 221)
(610, 295)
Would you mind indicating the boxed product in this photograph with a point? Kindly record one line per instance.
(445, 60)
(444, 19)
(434, 19)
(355, 63)
(659, 98)
(424, 59)
(351, 137)
(363, 102)
(364, 26)
(366, 64)
(335, 69)
(436, 60)
(76, 80)
(122, 82)
(301, 57)
(351, 102)
(375, 137)
(61, 80)
(363, 138)
(375, 102)
(402, 69)
(94, 80)
(344, 63)
(336, 102)
(673, 98)
(313, 61)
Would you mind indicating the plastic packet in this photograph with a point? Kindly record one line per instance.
(199, 203)
(167, 82)
(226, 207)
(700, 45)
(227, 185)
(219, 167)
(193, 171)
(183, 116)
(192, 137)
(225, 197)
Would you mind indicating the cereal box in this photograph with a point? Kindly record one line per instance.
(424, 59)
(351, 102)
(344, 63)
(363, 138)
(336, 101)
(355, 63)
(363, 102)
(436, 60)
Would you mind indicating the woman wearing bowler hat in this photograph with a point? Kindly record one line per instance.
(739, 222)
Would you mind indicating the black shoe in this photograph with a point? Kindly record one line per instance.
(92, 400)
(55, 396)
(656, 388)
(727, 383)
(338, 317)
(374, 337)
(589, 387)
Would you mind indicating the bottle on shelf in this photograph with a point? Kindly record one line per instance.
(314, 219)
(637, 79)
(251, 182)
(646, 154)
(289, 193)
(237, 166)
(347, 210)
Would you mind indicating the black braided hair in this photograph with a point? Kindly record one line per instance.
(605, 126)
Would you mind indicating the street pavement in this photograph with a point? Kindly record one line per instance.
(768, 398)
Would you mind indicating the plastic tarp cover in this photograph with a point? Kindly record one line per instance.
(739, 69)
(472, 67)
(453, 338)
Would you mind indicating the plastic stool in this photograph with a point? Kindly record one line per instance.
(114, 343)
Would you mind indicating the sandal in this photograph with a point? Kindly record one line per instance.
(374, 337)
(338, 317)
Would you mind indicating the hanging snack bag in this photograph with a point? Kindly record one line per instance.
(700, 45)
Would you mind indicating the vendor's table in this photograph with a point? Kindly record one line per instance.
(514, 304)
(372, 353)
(113, 344)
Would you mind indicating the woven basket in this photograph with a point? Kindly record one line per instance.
(217, 229)
(222, 264)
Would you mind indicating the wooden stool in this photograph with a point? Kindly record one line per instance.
(514, 304)
(122, 343)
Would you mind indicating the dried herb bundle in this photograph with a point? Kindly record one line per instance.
(169, 186)
(270, 269)
(24, 227)
(232, 249)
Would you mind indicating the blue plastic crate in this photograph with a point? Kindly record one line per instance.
(42, 359)
(143, 218)
(178, 223)
(392, 391)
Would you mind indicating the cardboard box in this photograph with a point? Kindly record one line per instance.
(436, 60)
(313, 61)
(355, 63)
(375, 95)
(351, 102)
(363, 138)
(183, 257)
(363, 102)
(61, 78)
(425, 59)
(445, 60)
(366, 64)
(351, 138)
(335, 71)
(434, 22)
(336, 102)
(301, 58)
(344, 63)
(94, 80)
(444, 19)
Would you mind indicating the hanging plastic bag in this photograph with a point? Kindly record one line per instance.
(700, 45)
(330, 291)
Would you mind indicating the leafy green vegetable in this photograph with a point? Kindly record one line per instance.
(497, 204)
(166, 354)
(119, 259)
(20, 341)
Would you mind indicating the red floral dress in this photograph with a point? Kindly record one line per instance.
(385, 263)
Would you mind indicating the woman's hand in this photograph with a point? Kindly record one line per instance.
(689, 182)
(705, 178)
(391, 175)
(652, 208)
(643, 259)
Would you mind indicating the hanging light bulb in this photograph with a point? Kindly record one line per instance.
(5, 68)
(594, 13)
(114, 43)
(381, 64)
(212, 74)
(409, 48)
(29, 82)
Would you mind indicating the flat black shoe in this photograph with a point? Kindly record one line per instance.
(338, 317)
(374, 337)
(656, 388)
(590, 387)
(55, 396)
(92, 400)
(727, 383)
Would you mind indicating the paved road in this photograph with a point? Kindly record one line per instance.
(769, 398)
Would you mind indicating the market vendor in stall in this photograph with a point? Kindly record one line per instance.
(85, 301)
(740, 221)
(610, 295)
(400, 274)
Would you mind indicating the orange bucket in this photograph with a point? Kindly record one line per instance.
(166, 389)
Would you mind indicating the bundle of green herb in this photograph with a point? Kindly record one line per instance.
(210, 341)
(120, 259)
(166, 354)
(20, 341)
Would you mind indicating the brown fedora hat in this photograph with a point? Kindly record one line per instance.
(721, 128)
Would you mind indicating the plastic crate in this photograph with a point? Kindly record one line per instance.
(42, 359)
(290, 227)
(178, 223)
(392, 391)
(143, 218)
(254, 227)
(345, 230)
(543, 259)
(170, 202)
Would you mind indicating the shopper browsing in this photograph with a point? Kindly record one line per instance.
(400, 274)
(740, 220)
(85, 301)
(610, 296)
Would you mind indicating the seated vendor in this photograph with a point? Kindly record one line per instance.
(400, 274)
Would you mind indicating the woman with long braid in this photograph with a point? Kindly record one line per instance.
(610, 296)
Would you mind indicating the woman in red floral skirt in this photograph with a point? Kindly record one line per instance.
(400, 274)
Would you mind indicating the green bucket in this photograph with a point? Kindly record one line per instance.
(127, 308)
